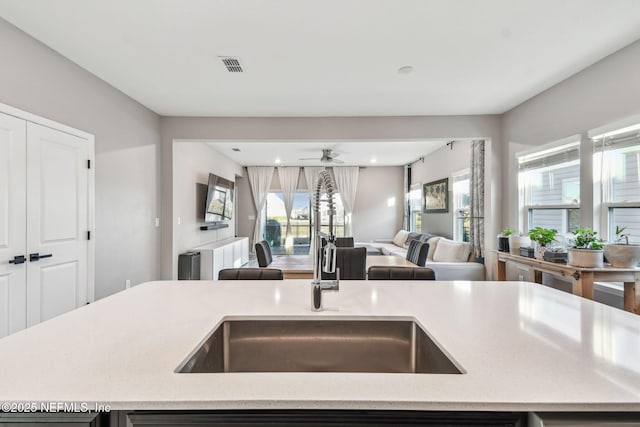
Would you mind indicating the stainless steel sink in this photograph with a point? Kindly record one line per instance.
(319, 346)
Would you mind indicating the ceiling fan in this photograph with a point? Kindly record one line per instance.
(328, 156)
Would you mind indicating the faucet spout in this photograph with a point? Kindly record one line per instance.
(328, 252)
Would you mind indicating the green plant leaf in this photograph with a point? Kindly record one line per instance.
(585, 238)
(543, 236)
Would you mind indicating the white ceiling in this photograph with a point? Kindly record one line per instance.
(352, 153)
(330, 57)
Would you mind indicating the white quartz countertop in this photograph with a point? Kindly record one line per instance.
(524, 347)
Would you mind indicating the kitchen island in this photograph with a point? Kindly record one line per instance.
(521, 346)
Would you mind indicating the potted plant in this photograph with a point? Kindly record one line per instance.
(621, 253)
(516, 240)
(586, 250)
(503, 239)
(543, 237)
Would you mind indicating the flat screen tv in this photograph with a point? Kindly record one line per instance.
(219, 204)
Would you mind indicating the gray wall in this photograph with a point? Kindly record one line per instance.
(438, 165)
(192, 163)
(606, 92)
(127, 141)
(373, 218)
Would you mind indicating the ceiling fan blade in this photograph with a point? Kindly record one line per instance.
(338, 161)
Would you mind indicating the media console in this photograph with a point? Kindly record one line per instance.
(229, 253)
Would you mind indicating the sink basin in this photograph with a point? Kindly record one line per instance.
(389, 346)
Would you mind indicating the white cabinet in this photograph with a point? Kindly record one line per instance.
(231, 253)
(46, 208)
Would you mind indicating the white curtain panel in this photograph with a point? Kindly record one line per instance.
(476, 234)
(347, 182)
(288, 184)
(260, 182)
(311, 176)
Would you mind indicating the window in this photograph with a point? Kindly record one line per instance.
(461, 205)
(415, 208)
(627, 218)
(617, 171)
(276, 223)
(549, 182)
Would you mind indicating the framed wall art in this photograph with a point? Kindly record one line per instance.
(436, 196)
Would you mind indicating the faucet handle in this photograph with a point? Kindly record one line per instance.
(316, 297)
(330, 252)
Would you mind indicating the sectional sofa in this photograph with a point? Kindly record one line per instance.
(449, 259)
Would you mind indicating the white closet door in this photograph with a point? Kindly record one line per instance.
(13, 207)
(57, 222)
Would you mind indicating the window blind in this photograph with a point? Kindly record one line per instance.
(548, 158)
(618, 142)
(617, 159)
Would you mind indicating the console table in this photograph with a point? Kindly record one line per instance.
(581, 278)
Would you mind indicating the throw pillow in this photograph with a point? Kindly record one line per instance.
(400, 238)
(426, 236)
(417, 252)
(410, 237)
(451, 251)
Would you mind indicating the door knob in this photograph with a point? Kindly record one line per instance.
(19, 259)
(37, 256)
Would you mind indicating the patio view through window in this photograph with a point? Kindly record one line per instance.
(298, 242)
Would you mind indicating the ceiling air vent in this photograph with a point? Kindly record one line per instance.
(232, 63)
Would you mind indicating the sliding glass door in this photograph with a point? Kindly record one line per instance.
(276, 224)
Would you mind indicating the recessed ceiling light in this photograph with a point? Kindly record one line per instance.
(235, 149)
(407, 69)
(373, 160)
(277, 161)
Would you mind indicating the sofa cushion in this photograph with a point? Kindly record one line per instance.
(400, 238)
(451, 251)
(401, 252)
(386, 250)
(433, 244)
